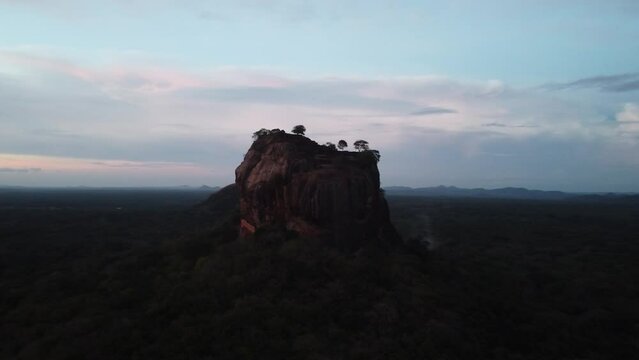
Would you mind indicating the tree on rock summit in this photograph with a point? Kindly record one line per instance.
(299, 130)
(361, 145)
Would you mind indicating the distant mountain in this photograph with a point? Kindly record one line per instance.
(11, 187)
(502, 193)
(112, 188)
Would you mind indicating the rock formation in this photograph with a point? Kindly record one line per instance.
(289, 181)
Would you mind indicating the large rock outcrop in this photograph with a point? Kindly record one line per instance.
(289, 181)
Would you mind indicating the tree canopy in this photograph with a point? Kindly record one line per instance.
(361, 145)
(261, 132)
(342, 144)
(299, 130)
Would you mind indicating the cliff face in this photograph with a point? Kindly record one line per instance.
(292, 182)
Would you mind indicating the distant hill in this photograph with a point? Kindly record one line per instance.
(206, 187)
(508, 193)
(503, 193)
(112, 188)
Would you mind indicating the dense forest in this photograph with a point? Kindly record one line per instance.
(133, 276)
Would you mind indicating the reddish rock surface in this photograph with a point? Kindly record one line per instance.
(290, 181)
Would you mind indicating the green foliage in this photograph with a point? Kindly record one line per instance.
(261, 132)
(299, 130)
(331, 146)
(369, 156)
(534, 279)
(361, 145)
(503, 280)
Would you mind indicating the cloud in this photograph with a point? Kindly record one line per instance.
(59, 171)
(611, 83)
(208, 15)
(164, 123)
(629, 114)
(177, 126)
(54, 133)
(501, 125)
(141, 165)
(19, 170)
(314, 93)
(432, 110)
(207, 10)
(628, 123)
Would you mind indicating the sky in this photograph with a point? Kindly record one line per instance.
(540, 94)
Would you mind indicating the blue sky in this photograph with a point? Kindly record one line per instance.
(542, 94)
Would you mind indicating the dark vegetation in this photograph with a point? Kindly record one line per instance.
(130, 275)
(299, 130)
(359, 145)
(511, 193)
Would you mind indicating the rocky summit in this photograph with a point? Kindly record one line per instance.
(291, 182)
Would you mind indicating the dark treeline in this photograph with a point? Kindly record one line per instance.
(503, 279)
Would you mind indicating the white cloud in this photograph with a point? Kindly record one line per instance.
(628, 125)
(133, 115)
(629, 114)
